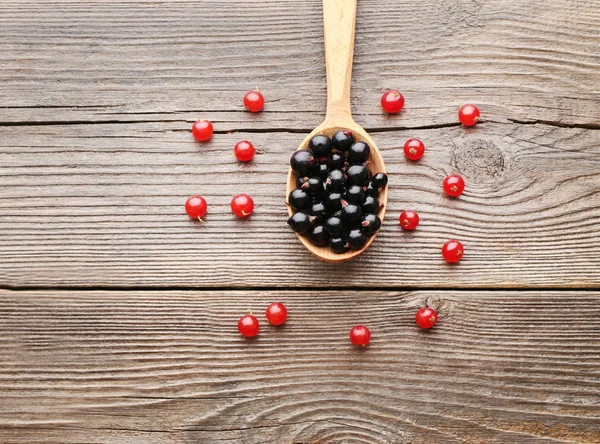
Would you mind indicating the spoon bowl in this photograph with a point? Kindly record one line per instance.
(375, 165)
(339, 18)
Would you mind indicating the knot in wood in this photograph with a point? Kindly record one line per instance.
(479, 160)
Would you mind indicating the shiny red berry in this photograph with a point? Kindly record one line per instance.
(414, 149)
(242, 205)
(454, 185)
(426, 317)
(244, 151)
(360, 336)
(392, 101)
(248, 326)
(254, 101)
(276, 313)
(453, 251)
(409, 220)
(196, 207)
(468, 115)
(202, 130)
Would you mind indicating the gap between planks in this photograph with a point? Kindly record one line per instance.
(355, 288)
(510, 121)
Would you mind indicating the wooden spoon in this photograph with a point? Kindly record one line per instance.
(339, 17)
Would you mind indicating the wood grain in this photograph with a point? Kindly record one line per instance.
(170, 367)
(106, 61)
(92, 205)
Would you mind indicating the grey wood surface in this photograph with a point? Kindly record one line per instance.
(96, 161)
(169, 366)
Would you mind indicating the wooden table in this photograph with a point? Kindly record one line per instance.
(118, 313)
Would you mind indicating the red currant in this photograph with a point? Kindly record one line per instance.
(248, 325)
(453, 251)
(454, 185)
(202, 130)
(409, 220)
(196, 207)
(254, 101)
(242, 205)
(414, 149)
(468, 115)
(426, 317)
(276, 313)
(244, 151)
(392, 101)
(360, 335)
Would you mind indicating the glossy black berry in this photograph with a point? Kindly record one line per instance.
(320, 145)
(334, 226)
(301, 181)
(322, 171)
(342, 140)
(351, 215)
(355, 194)
(313, 185)
(299, 200)
(333, 201)
(356, 239)
(359, 153)
(319, 210)
(336, 181)
(338, 245)
(371, 205)
(303, 162)
(300, 222)
(380, 180)
(371, 190)
(357, 175)
(336, 161)
(371, 224)
(318, 235)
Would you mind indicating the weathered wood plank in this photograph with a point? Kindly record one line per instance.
(144, 60)
(103, 205)
(167, 367)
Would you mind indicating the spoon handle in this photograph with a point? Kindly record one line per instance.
(339, 17)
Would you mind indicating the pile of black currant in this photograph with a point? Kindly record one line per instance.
(335, 200)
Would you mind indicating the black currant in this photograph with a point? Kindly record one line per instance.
(359, 153)
(319, 210)
(299, 200)
(322, 171)
(336, 161)
(338, 245)
(313, 185)
(371, 205)
(320, 145)
(300, 222)
(336, 181)
(334, 226)
(371, 190)
(303, 162)
(355, 194)
(357, 175)
(380, 180)
(333, 201)
(356, 239)
(351, 215)
(301, 181)
(371, 224)
(318, 235)
(342, 140)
